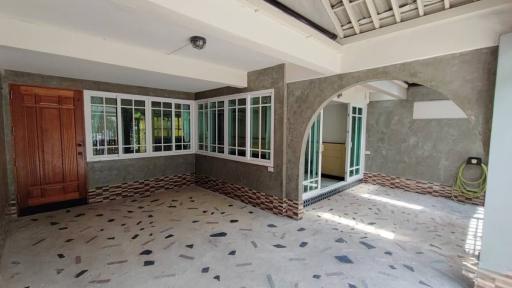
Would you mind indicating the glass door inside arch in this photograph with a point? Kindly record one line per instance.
(312, 159)
(355, 132)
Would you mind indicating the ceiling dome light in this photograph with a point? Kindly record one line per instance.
(198, 42)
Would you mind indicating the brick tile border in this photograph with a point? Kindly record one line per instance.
(144, 188)
(421, 187)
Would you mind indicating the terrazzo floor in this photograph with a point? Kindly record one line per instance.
(367, 236)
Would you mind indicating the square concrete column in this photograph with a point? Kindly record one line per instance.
(496, 253)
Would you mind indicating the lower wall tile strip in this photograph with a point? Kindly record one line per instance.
(144, 188)
(421, 187)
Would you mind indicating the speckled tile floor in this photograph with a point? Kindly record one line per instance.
(368, 236)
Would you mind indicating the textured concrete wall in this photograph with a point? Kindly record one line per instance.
(101, 173)
(467, 78)
(105, 172)
(253, 176)
(425, 149)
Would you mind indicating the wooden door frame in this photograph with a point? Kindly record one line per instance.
(81, 161)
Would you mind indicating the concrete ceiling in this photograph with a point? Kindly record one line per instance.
(135, 23)
(57, 65)
(129, 41)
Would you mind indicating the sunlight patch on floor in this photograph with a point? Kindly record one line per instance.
(392, 201)
(357, 225)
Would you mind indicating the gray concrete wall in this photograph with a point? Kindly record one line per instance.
(466, 78)
(104, 172)
(252, 176)
(101, 173)
(424, 149)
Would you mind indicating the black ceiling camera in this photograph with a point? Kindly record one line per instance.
(198, 42)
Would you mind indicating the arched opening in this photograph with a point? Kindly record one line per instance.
(408, 128)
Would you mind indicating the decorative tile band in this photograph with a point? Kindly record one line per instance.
(144, 188)
(273, 204)
(422, 187)
(488, 279)
(141, 188)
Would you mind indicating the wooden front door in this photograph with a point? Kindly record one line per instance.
(48, 129)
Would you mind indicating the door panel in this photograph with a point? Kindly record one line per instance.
(356, 135)
(48, 138)
(312, 157)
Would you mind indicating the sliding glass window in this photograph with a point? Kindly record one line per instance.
(261, 131)
(237, 127)
(237, 122)
(161, 114)
(131, 126)
(104, 126)
(182, 127)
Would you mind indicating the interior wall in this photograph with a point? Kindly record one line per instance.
(101, 172)
(467, 78)
(253, 176)
(420, 149)
(334, 129)
(3, 174)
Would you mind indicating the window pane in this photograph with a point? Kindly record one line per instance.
(186, 107)
(111, 127)
(232, 103)
(157, 127)
(111, 101)
(266, 100)
(213, 129)
(241, 118)
(97, 100)
(255, 101)
(126, 102)
(255, 128)
(167, 126)
(139, 103)
(157, 148)
(186, 126)
(241, 102)
(98, 126)
(220, 128)
(155, 104)
(232, 128)
(200, 126)
(98, 151)
(167, 105)
(140, 128)
(167, 147)
(112, 150)
(266, 112)
(178, 128)
(127, 124)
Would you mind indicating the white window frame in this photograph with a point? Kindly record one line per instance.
(149, 123)
(247, 158)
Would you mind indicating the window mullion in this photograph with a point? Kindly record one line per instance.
(248, 138)
(226, 127)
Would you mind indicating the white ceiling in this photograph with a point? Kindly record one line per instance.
(135, 22)
(43, 63)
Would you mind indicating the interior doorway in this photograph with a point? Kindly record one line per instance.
(334, 154)
(48, 130)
